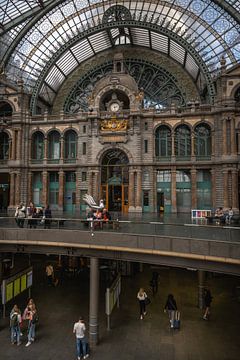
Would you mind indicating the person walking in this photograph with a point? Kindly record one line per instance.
(32, 321)
(79, 330)
(141, 296)
(50, 274)
(154, 283)
(207, 301)
(15, 320)
(171, 307)
(20, 215)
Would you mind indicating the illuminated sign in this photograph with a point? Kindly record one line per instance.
(16, 284)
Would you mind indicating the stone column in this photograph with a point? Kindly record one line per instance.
(131, 191)
(45, 154)
(235, 189)
(19, 144)
(90, 182)
(30, 189)
(78, 181)
(93, 306)
(201, 282)
(233, 138)
(10, 149)
(212, 143)
(154, 187)
(96, 184)
(194, 188)
(12, 189)
(238, 150)
(173, 146)
(13, 145)
(139, 191)
(17, 188)
(174, 191)
(192, 146)
(45, 188)
(213, 187)
(224, 136)
(61, 190)
(225, 188)
(30, 152)
(61, 148)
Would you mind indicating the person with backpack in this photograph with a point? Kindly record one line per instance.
(15, 320)
(32, 321)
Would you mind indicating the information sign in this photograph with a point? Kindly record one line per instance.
(23, 282)
(9, 291)
(17, 286)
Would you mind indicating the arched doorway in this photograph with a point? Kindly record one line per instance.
(115, 180)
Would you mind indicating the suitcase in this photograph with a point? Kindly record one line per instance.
(176, 320)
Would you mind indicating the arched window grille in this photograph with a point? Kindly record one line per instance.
(183, 141)
(163, 142)
(4, 146)
(54, 145)
(202, 141)
(70, 145)
(37, 146)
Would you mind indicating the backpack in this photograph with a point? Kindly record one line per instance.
(35, 318)
(14, 320)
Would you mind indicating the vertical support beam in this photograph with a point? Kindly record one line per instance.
(233, 138)
(174, 191)
(19, 144)
(61, 148)
(192, 146)
(225, 188)
(78, 181)
(139, 190)
(13, 145)
(224, 135)
(173, 146)
(90, 182)
(213, 183)
(194, 188)
(131, 190)
(96, 185)
(93, 306)
(61, 190)
(45, 188)
(45, 155)
(30, 184)
(201, 282)
(12, 189)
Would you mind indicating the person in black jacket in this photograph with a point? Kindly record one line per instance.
(207, 300)
(170, 307)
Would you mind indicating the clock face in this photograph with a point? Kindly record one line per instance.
(114, 107)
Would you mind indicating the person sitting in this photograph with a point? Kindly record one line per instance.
(219, 215)
(229, 216)
(106, 215)
(98, 219)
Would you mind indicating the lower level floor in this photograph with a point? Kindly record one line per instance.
(130, 338)
(123, 188)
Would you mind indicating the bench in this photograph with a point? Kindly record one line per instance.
(217, 220)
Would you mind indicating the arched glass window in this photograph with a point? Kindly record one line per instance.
(54, 145)
(183, 141)
(163, 142)
(37, 146)
(70, 145)
(202, 140)
(4, 146)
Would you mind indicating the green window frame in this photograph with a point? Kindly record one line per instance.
(37, 146)
(70, 145)
(163, 142)
(203, 141)
(183, 141)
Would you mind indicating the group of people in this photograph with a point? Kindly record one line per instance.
(224, 217)
(98, 216)
(18, 322)
(34, 215)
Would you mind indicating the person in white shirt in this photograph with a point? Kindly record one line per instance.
(141, 296)
(79, 329)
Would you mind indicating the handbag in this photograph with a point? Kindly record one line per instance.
(147, 301)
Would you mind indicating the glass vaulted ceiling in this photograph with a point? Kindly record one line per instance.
(43, 41)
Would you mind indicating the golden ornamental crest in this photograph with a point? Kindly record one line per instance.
(113, 125)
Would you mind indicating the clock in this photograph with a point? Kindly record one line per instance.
(114, 107)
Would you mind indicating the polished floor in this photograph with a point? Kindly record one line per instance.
(131, 338)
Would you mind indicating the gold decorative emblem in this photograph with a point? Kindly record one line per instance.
(113, 125)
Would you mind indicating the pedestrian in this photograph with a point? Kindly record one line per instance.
(32, 321)
(154, 282)
(50, 274)
(15, 320)
(171, 307)
(141, 296)
(20, 215)
(79, 330)
(26, 313)
(229, 216)
(207, 301)
(47, 217)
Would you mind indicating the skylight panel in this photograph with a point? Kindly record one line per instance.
(140, 37)
(191, 66)
(54, 78)
(159, 42)
(82, 50)
(177, 52)
(47, 93)
(100, 41)
(67, 63)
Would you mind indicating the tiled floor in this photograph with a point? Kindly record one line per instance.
(130, 338)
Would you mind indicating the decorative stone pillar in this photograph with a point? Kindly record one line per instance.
(30, 189)
(194, 188)
(17, 188)
(12, 189)
(78, 181)
(90, 182)
(212, 143)
(224, 136)
(173, 191)
(93, 306)
(13, 156)
(173, 146)
(201, 282)
(192, 146)
(235, 189)
(61, 190)
(131, 191)
(61, 148)
(45, 155)
(45, 188)
(30, 152)
(233, 138)
(19, 144)
(213, 187)
(154, 189)
(10, 149)
(225, 188)
(96, 186)
(139, 191)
